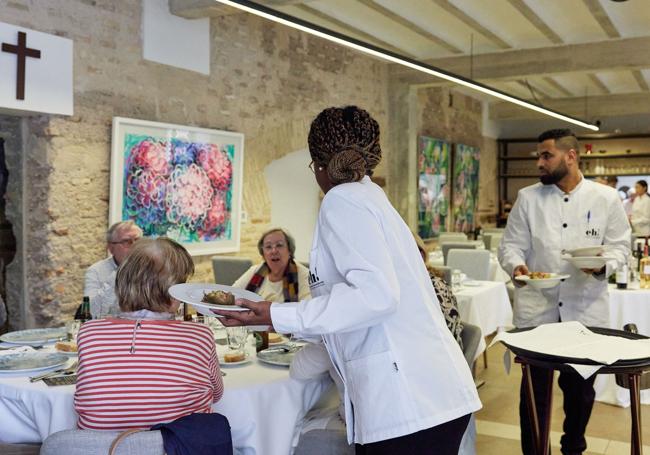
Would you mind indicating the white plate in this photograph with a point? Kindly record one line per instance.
(192, 293)
(35, 337)
(588, 262)
(275, 356)
(24, 362)
(589, 251)
(223, 363)
(543, 283)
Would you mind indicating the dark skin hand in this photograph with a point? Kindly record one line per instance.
(259, 313)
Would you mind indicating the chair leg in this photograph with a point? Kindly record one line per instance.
(485, 354)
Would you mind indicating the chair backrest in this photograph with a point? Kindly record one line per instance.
(473, 263)
(471, 336)
(227, 269)
(458, 246)
(89, 442)
(494, 230)
(487, 240)
(495, 240)
(452, 236)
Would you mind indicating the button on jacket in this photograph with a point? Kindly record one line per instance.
(544, 222)
(374, 304)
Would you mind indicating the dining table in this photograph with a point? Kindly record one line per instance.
(484, 304)
(631, 305)
(265, 407)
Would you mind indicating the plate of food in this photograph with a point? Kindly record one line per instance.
(588, 262)
(28, 362)
(68, 348)
(542, 280)
(234, 358)
(35, 337)
(205, 297)
(589, 251)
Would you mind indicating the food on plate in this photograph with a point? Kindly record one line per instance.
(218, 298)
(66, 346)
(539, 275)
(234, 357)
(275, 337)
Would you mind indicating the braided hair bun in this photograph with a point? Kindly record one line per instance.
(346, 142)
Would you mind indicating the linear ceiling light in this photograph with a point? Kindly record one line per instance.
(339, 38)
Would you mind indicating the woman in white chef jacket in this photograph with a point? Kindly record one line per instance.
(408, 388)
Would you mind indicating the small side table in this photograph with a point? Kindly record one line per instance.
(630, 369)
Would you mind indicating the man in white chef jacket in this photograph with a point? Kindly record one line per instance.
(563, 212)
(640, 216)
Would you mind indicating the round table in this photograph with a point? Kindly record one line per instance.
(264, 406)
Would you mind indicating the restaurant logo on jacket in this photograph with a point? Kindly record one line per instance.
(314, 280)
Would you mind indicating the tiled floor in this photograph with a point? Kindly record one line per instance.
(498, 422)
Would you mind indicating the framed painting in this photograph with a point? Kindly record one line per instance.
(465, 187)
(433, 186)
(178, 181)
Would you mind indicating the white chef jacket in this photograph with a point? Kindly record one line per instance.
(641, 215)
(375, 306)
(543, 222)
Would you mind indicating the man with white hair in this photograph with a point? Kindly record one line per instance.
(100, 277)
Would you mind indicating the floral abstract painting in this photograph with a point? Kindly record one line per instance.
(180, 182)
(465, 187)
(433, 186)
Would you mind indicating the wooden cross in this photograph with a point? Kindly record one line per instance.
(22, 52)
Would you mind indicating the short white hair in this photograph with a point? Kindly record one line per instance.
(110, 234)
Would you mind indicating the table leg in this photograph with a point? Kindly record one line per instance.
(541, 430)
(530, 404)
(636, 445)
(545, 426)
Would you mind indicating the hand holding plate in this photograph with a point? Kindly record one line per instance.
(259, 314)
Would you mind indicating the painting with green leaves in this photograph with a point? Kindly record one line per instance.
(433, 186)
(465, 187)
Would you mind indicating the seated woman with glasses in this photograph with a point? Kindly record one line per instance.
(279, 278)
(144, 367)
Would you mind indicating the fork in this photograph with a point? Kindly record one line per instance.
(62, 371)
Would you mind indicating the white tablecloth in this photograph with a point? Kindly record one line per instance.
(263, 405)
(625, 306)
(486, 306)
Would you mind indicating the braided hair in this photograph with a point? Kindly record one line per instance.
(346, 142)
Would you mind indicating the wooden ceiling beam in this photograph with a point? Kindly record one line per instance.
(557, 86)
(410, 25)
(609, 55)
(536, 21)
(350, 30)
(600, 84)
(596, 107)
(599, 13)
(643, 84)
(469, 21)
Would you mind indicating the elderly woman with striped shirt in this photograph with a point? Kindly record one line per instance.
(144, 367)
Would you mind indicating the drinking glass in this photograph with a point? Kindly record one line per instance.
(236, 337)
(455, 279)
(72, 328)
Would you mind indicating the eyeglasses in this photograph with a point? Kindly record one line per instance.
(312, 166)
(270, 246)
(126, 242)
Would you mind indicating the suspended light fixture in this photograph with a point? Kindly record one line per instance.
(366, 48)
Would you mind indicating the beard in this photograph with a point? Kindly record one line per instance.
(555, 176)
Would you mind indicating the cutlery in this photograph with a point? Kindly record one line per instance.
(71, 369)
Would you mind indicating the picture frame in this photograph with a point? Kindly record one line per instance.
(182, 182)
(465, 184)
(434, 163)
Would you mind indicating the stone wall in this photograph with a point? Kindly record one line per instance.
(266, 81)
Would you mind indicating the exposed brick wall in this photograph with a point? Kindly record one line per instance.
(266, 81)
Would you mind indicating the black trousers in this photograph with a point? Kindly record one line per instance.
(579, 397)
(443, 439)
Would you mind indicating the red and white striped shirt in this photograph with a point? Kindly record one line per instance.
(135, 374)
